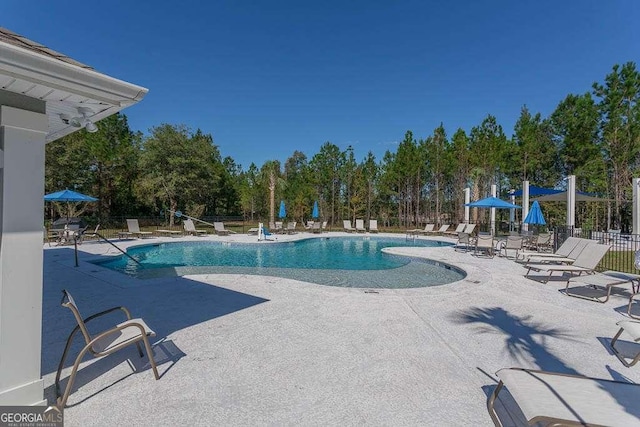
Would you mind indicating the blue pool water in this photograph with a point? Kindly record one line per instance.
(336, 261)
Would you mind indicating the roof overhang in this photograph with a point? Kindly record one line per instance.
(64, 87)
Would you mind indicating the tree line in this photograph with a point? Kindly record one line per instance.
(594, 135)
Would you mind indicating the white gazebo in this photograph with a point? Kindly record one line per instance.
(44, 95)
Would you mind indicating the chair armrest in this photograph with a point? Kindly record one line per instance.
(102, 313)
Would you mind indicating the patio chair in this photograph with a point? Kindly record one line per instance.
(317, 228)
(427, 229)
(121, 335)
(556, 399)
(309, 225)
(373, 226)
(278, 228)
(513, 243)
(631, 328)
(458, 229)
(464, 240)
(586, 262)
(484, 243)
(190, 228)
(324, 226)
(291, 227)
(347, 226)
(134, 230)
(220, 230)
(92, 234)
(470, 228)
(360, 226)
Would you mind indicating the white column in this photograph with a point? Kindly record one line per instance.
(512, 212)
(22, 139)
(571, 201)
(525, 204)
(635, 209)
(467, 200)
(493, 210)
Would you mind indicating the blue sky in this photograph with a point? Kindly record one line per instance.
(268, 78)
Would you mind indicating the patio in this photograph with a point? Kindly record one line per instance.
(251, 350)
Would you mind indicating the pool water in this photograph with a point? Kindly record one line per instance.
(339, 261)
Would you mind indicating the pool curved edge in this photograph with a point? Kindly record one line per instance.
(400, 251)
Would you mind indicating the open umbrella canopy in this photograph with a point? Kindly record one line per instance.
(535, 215)
(492, 202)
(315, 213)
(283, 210)
(68, 196)
(536, 191)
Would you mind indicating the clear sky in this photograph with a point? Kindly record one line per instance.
(266, 78)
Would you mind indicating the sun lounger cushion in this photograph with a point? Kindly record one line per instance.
(545, 396)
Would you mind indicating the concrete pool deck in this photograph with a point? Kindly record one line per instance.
(255, 350)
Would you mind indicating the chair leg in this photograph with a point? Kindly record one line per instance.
(150, 356)
(491, 405)
(62, 401)
(620, 356)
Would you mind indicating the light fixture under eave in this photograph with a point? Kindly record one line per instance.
(80, 121)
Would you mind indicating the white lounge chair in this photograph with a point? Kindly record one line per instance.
(360, 226)
(459, 229)
(427, 229)
(373, 226)
(562, 252)
(443, 229)
(561, 399)
(597, 287)
(586, 262)
(220, 230)
(464, 241)
(134, 230)
(631, 328)
(347, 226)
(309, 225)
(190, 228)
(470, 228)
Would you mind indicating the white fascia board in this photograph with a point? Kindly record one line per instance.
(39, 69)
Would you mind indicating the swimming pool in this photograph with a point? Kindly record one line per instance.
(336, 261)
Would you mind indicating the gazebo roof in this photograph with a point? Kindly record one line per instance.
(31, 69)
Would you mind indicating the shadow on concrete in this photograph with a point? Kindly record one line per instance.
(520, 334)
(166, 305)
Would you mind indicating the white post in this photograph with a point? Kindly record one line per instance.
(635, 210)
(525, 204)
(512, 212)
(493, 211)
(467, 200)
(260, 234)
(571, 201)
(22, 139)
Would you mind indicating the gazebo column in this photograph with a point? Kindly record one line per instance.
(525, 204)
(571, 202)
(467, 200)
(635, 209)
(23, 128)
(494, 190)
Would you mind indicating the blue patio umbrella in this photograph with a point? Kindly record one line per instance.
(283, 210)
(315, 213)
(535, 215)
(492, 202)
(68, 196)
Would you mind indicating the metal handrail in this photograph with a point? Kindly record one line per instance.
(114, 245)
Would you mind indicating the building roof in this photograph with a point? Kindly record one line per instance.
(10, 37)
(31, 69)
